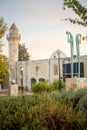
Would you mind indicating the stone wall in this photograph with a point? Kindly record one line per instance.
(41, 69)
(4, 92)
(76, 83)
(84, 59)
(13, 90)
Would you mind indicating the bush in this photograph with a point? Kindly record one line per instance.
(82, 105)
(45, 87)
(56, 116)
(63, 97)
(37, 112)
(58, 85)
(41, 87)
(78, 94)
(14, 111)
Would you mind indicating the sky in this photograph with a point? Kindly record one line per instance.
(41, 27)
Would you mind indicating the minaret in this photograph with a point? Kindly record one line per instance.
(13, 39)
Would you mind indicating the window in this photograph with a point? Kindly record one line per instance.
(67, 70)
(55, 70)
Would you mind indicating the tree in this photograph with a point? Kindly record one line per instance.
(3, 58)
(23, 53)
(3, 68)
(3, 27)
(79, 10)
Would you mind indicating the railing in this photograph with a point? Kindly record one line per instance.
(13, 36)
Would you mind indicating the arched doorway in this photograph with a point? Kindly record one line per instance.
(41, 79)
(33, 80)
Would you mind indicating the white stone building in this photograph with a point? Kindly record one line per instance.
(27, 72)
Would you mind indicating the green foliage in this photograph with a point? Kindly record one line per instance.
(45, 87)
(58, 85)
(75, 98)
(1, 45)
(3, 27)
(3, 68)
(64, 97)
(77, 95)
(37, 112)
(83, 103)
(41, 87)
(23, 53)
(79, 10)
(3, 59)
(14, 111)
(56, 116)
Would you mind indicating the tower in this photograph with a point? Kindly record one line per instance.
(13, 38)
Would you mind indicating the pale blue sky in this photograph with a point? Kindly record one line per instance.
(40, 26)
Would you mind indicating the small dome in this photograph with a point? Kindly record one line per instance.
(13, 27)
(55, 54)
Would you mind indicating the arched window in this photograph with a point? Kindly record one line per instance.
(55, 70)
(41, 79)
(33, 80)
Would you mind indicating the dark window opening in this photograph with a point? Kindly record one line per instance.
(67, 70)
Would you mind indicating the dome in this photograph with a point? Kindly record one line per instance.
(13, 27)
(55, 54)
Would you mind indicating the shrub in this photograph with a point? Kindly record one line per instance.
(82, 105)
(56, 116)
(78, 94)
(58, 85)
(45, 87)
(14, 111)
(64, 97)
(37, 112)
(41, 87)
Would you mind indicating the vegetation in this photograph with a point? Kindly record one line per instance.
(58, 85)
(41, 87)
(3, 58)
(23, 53)
(3, 68)
(45, 111)
(78, 95)
(82, 104)
(45, 87)
(79, 10)
(3, 27)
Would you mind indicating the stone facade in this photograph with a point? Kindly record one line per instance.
(13, 90)
(36, 70)
(84, 60)
(41, 69)
(76, 83)
(13, 38)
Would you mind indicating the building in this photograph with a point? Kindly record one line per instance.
(25, 73)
